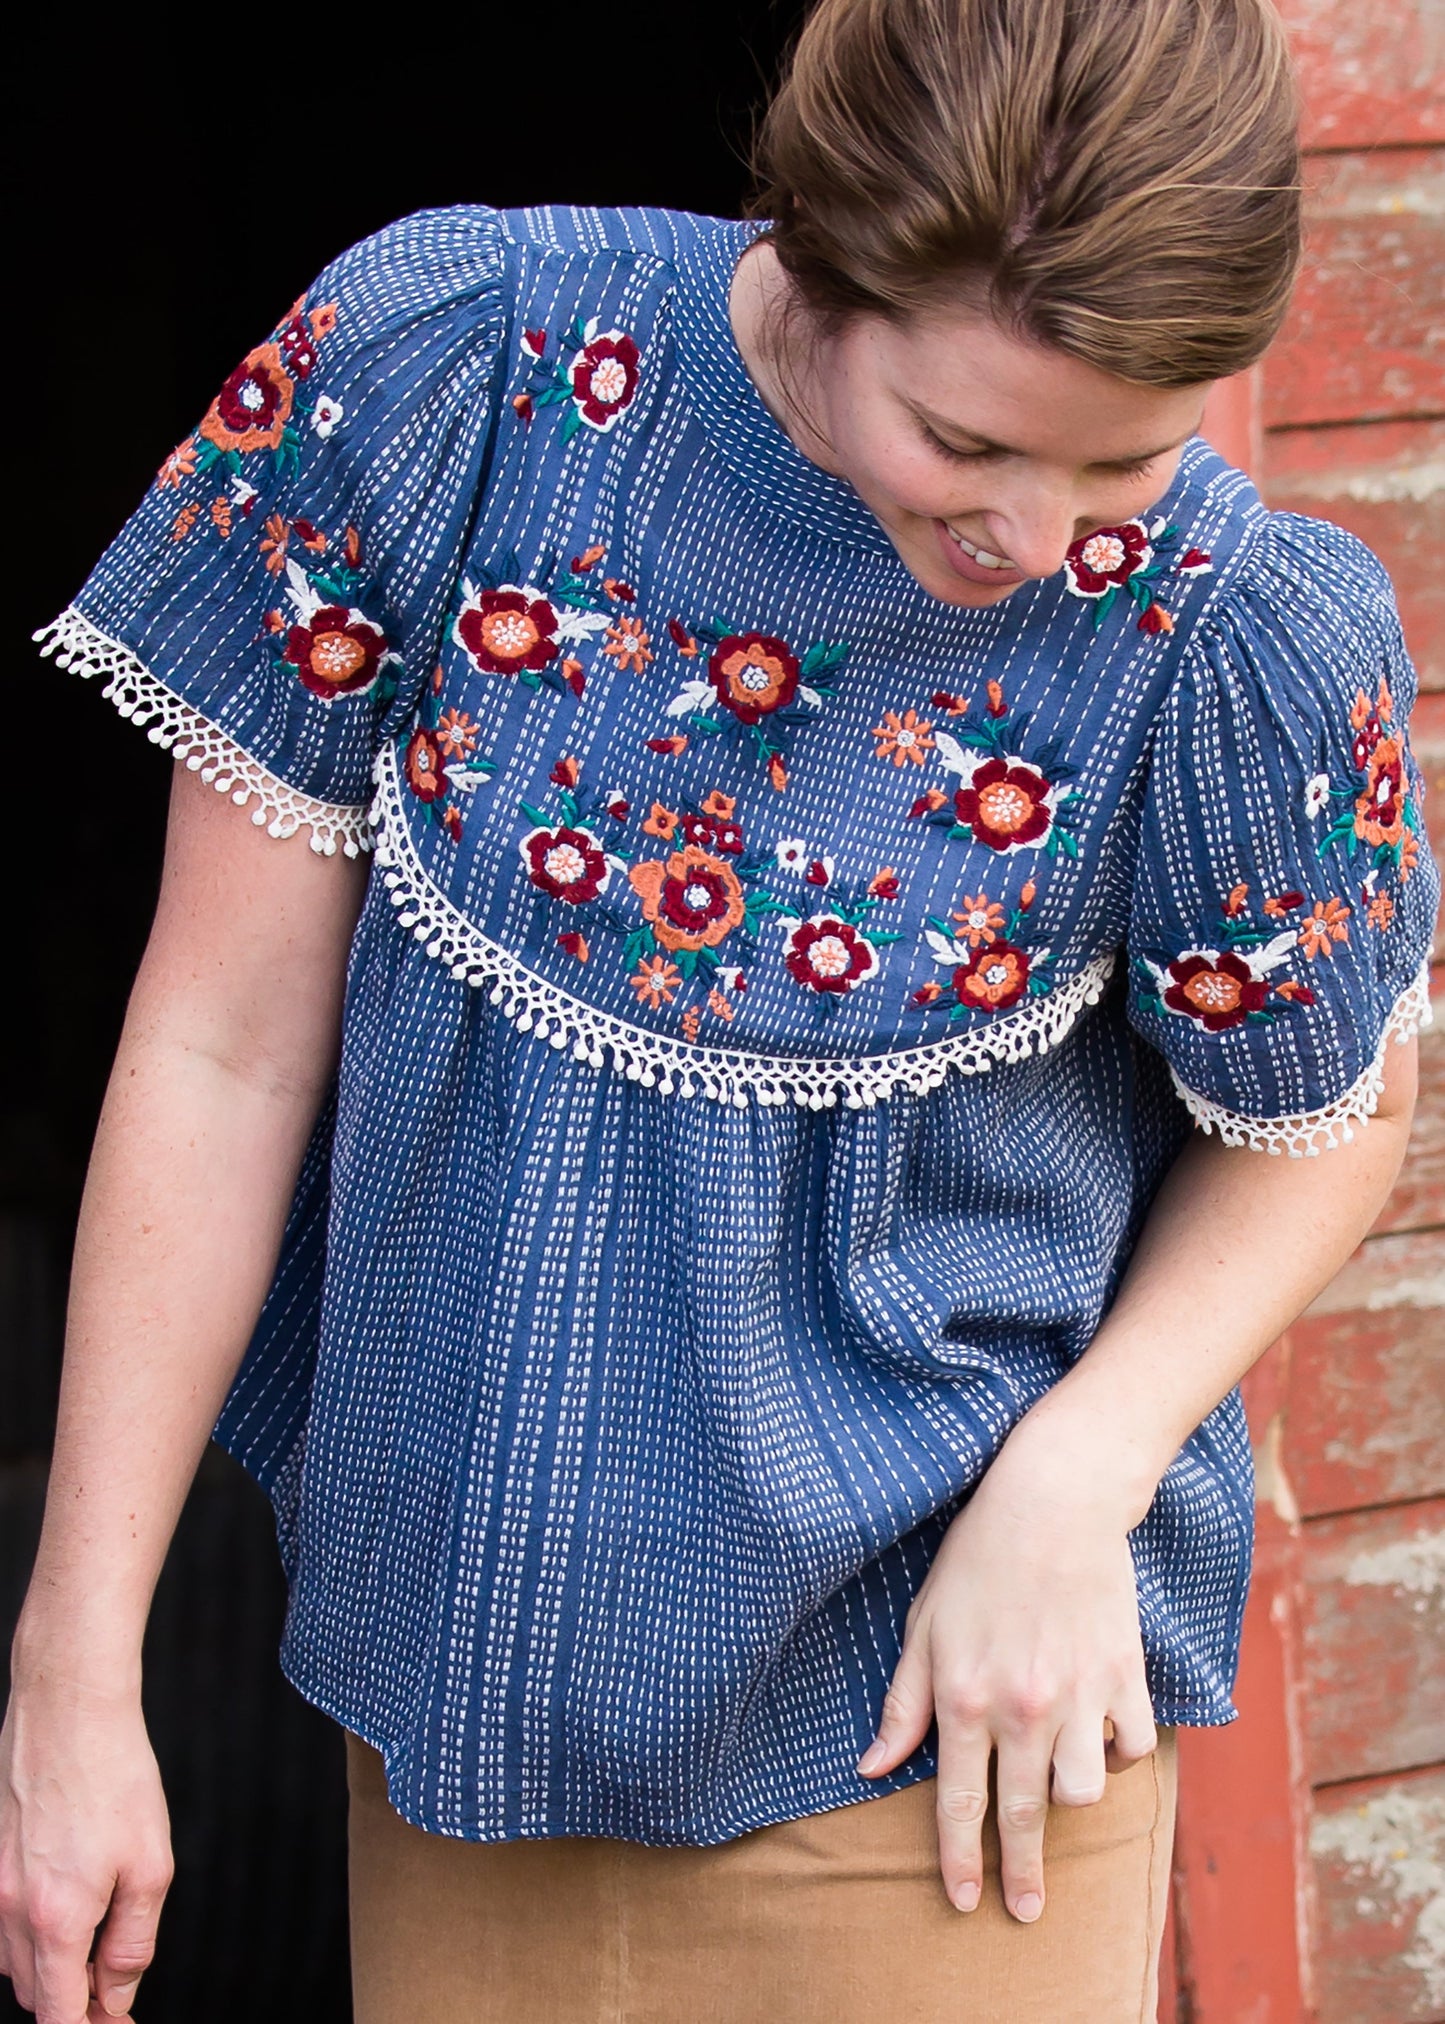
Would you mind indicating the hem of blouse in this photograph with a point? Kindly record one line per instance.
(1171, 1715)
(675, 1067)
(176, 726)
(1410, 1013)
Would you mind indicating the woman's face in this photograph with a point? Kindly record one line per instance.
(982, 454)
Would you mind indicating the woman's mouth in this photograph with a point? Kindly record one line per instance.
(974, 564)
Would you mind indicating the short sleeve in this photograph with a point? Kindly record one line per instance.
(1285, 895)
(277, 598)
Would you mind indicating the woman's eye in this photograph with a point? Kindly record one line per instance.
(1133, 470)
(952, 450)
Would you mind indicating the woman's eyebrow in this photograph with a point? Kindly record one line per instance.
(945, 427)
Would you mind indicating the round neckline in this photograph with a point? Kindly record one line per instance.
(731, 411)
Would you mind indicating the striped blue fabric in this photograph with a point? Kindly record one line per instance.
(776, 1001)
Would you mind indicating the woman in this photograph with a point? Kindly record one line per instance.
(707, 1247)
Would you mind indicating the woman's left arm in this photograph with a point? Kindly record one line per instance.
(1024, 1636)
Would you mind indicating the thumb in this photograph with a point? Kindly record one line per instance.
(907, 1709)
(126, 1944)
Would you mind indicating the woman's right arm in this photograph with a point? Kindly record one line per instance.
(230, 1041)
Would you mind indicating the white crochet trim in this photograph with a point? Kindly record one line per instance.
(1411, 1011)
(674, 1067)
(204, 747)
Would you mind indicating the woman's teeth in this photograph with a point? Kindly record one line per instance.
(980, 554)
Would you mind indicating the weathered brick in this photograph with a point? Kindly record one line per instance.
(1378, 1856)
(1365, 80)
(1363, 337)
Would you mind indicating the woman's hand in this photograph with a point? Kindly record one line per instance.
(1024, 1639)
(84, 1843)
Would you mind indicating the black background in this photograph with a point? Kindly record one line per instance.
(178, 182)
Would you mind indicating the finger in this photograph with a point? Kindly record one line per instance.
(1023, 1807)
(20, 1967)
(907, 1710)
(1079, 1775)
(62, 1988)
(964, 1746)
(127, 1941)
(1135, 1735)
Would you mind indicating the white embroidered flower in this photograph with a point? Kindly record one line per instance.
(1317, 795)
(327, 412)
(241, 493)
(793, 854)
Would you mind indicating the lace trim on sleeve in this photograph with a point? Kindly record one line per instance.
(1410, 1013)
(176, 727)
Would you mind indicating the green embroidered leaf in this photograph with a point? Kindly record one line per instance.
(881, 935)
(535, 815)
(639, 943)
(961, 829)
(704, 723)
(571, 423)
(551, 396)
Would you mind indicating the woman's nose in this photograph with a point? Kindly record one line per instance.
(1035, 540)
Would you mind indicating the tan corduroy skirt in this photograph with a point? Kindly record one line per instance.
(837, 1918)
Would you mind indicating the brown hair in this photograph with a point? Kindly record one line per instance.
(1118, 178)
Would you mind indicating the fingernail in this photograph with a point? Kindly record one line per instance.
(872, 1756)
(120, 2000)
(1028, 1906)
(965, 1898)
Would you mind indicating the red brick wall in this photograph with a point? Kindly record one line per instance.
(1310, 1864)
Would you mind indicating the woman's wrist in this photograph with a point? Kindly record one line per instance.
(67, 1654)
(1085, 1454)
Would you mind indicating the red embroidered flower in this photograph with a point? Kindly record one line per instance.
(568, 863)
(252, 408)
(506, 630)
(1109, 556)
(1367, 737)
(753, 674)
(1005, 804)
(297, 348)
(1380, 810)
(995, 975)
(604, 377)
(424, 766)
(828, 954)
(692, 900)
(1217, 990)
(336, 652)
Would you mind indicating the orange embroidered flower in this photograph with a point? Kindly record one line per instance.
(588, 559)
(1409, 855)
(351, 547)
(221, 516)
(931, 798)
(566, 772)
(457, 734)
(1359, 711)
(693, 900)
(996, 703)
(995, 977)
(661, 822)
(884, 883)
(575, 943)
(323, 320)
(1327, 922)
(777, 771)
(628, 644)
(273, 543)
(1237, 897)
(184, 521)
(720, 805)
(656, 980)
(675, 744)
(253, 407)
(1380, 810)
(1026, 897)
(1382, 911)
(902, 739)
(753, 674)
(980, 918)
(717, 1003)
(926, 993)
(691, 1020)
(682, 639)
(179, 464)
(1283, 903)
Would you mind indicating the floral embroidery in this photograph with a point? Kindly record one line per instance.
(989, 967)
(1376, 816)
(902, 739)
(331, 647)
(508, 627)
(594, 370)
(258, 407)
(759, 681)
(626, 641)
(567, 859)
(833, 950)
(1227, 983)
(440, 762)
(1131, 557)
(1007, 799)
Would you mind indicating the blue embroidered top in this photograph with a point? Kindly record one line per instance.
(777, 999)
